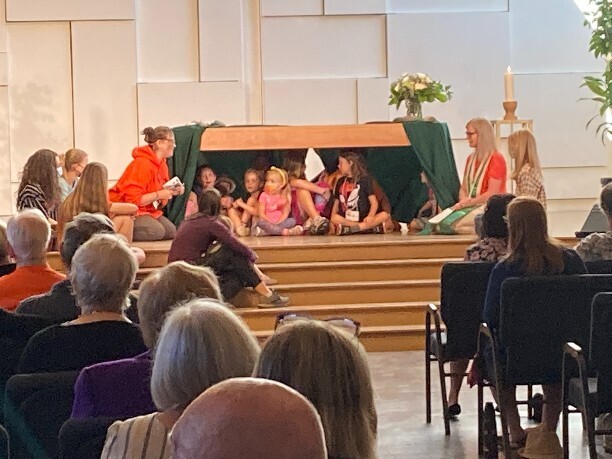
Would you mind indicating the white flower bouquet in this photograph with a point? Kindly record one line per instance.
(416, 88)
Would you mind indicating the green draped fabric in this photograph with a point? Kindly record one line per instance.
(397, 169)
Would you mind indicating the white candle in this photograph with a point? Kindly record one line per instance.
(509, 84)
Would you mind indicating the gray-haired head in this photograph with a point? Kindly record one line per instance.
(28, 233)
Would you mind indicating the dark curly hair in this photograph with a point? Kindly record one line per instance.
(41, 169)
(493, 223)
(606, 199)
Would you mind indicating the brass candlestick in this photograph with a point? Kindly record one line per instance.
(510, 108)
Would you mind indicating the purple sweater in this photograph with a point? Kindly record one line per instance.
(118, 389)
(196, 234)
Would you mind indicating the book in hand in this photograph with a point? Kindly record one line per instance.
(441, 216)
(172, 183)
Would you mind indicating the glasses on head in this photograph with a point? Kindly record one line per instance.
(343, 323)
(470, 134)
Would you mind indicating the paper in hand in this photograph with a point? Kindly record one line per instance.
(172, 183)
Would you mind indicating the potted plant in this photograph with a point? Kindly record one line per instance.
(600, 19)
(414, 89)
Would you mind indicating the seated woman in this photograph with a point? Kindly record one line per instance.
(159, 294)
(74, 163)
(598, 246)
(142, 183)
(527, 173)
(102, 272)
(308, 200)
(530, 253)
(491, 248)
(91, 195)
(200, 344)
(484, 176)
(39, 186)
(235, 271)
(328, 366)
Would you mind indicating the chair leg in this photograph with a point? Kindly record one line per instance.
(427, 382)
(590, 426)
(480, 408)
(444, 396)
(529, 397)
(564, 420)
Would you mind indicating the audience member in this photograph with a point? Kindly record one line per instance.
(530, 253)
(244, 213)
(75, 161)
(102, 272)
(527, 173)
(6, 265)
(130, 379)
(200, 344)
(248, 417)
(308, 200)
(330, 369)
(58, 304)
(39, 187)
(598, 246)
(356, 207)
(234, 267)
(28, 234)
(142, 183)
(91, 195)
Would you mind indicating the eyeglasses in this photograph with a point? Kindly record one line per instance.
(343, 323)
(171, 140)
(470, 134)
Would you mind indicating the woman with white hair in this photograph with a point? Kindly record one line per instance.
(102, 272)
(201, 344)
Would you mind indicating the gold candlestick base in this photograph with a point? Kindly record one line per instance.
(510, 108)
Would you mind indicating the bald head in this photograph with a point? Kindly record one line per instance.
(28, 234)
(249, 417)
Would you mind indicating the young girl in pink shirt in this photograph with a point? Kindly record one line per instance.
(275, 207)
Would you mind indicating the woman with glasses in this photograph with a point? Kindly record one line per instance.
(324, 361)
(75, 161)
(142, 183)
(484, 176)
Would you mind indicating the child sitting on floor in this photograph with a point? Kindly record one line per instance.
(244, 214)
(356, 206)
(275, 207)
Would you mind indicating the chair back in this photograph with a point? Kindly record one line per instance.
(83, 438)
(538, 316)
(600, 349)
(5, 450)
(35, 407)
(599, 266)
(463, 290)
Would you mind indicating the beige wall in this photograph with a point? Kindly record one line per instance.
(90, 74)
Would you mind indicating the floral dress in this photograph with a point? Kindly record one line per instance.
(487, 249)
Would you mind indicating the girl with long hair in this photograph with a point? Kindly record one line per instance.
(531, 252)
(356, 207)
(39, 187)
(91, 195)
(527, 173)
(243, 214)
(74, 163)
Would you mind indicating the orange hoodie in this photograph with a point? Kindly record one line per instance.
(145, 174)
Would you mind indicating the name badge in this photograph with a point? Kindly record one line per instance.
(352, 215)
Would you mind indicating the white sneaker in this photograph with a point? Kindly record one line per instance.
(258, 232)
(296, 231)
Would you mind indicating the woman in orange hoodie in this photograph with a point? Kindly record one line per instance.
(142, 184)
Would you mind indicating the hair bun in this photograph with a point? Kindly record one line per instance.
(149, 135)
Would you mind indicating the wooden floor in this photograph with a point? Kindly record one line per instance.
(383, 281)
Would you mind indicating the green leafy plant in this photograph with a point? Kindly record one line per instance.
(418, 87)
(600, 19)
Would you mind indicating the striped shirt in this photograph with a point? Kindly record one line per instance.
(33, 197)
(140, 437)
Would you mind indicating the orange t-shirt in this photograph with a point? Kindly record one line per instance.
(496, 170)
(24, 282)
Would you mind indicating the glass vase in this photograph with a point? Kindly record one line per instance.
(414, 109)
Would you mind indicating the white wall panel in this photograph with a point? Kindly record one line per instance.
(40, 90)
(573, 182)
(105, 117)
(310, 101)
(176, 104)
(167, 40)
(2, 26)
(68, 10)
(221, 54)
(291, 7)
(560, 119)
(3, 69)
(445, 6)
(5, 172)
(323, 47)
(548, 36)
(353, 7)
(372, 97)
(473, 66)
